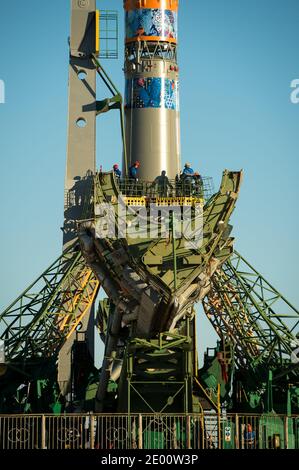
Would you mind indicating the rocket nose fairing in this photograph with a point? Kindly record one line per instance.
(152, 87)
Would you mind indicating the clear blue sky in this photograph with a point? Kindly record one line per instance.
(237, 60)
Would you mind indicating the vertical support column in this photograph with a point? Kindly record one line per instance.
(130, 368)
(81, 149)
(129, 395)
(219, 417)
(81, 144)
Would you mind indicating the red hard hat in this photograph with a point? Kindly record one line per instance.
(115, 166)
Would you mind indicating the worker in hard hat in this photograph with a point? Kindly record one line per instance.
(249, 437)
(188, 171)
(116, 170)
(187, 179)
(133, 171)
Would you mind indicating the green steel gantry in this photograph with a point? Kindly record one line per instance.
(148, 324)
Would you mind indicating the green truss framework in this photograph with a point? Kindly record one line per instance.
(242, 307)
(38, 322)
(248, 311)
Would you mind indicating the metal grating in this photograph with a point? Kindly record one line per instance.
(108, 34)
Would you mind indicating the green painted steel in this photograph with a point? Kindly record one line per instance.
(170, 270)
(148, 322)
(262, 328)
(35, 327)
(30, 326)
(259, 320)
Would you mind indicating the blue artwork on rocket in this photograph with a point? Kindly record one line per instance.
(151, 93)
(151, 22)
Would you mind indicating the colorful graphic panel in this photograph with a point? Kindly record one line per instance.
(151, 22)
(151, 93)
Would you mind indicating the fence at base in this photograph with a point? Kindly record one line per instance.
(145, 431)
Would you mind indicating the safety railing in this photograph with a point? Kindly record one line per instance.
(260, 432)
(198, 187)
(146, 431)
(21, 432)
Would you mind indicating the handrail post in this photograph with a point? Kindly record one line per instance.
(219, 417)
(140, 440)
(237, 440)
(43, 432)
(188, 432)
(203, 429)
(91, 427)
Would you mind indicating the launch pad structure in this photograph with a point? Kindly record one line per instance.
(156, 245)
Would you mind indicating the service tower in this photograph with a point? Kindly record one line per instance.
(152, 83)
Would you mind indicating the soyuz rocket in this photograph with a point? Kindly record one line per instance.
(152, 111)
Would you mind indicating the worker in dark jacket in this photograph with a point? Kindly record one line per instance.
(162, 183)
(133, 171)
(133, 175)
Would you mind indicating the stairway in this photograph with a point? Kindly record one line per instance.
(211, 429)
